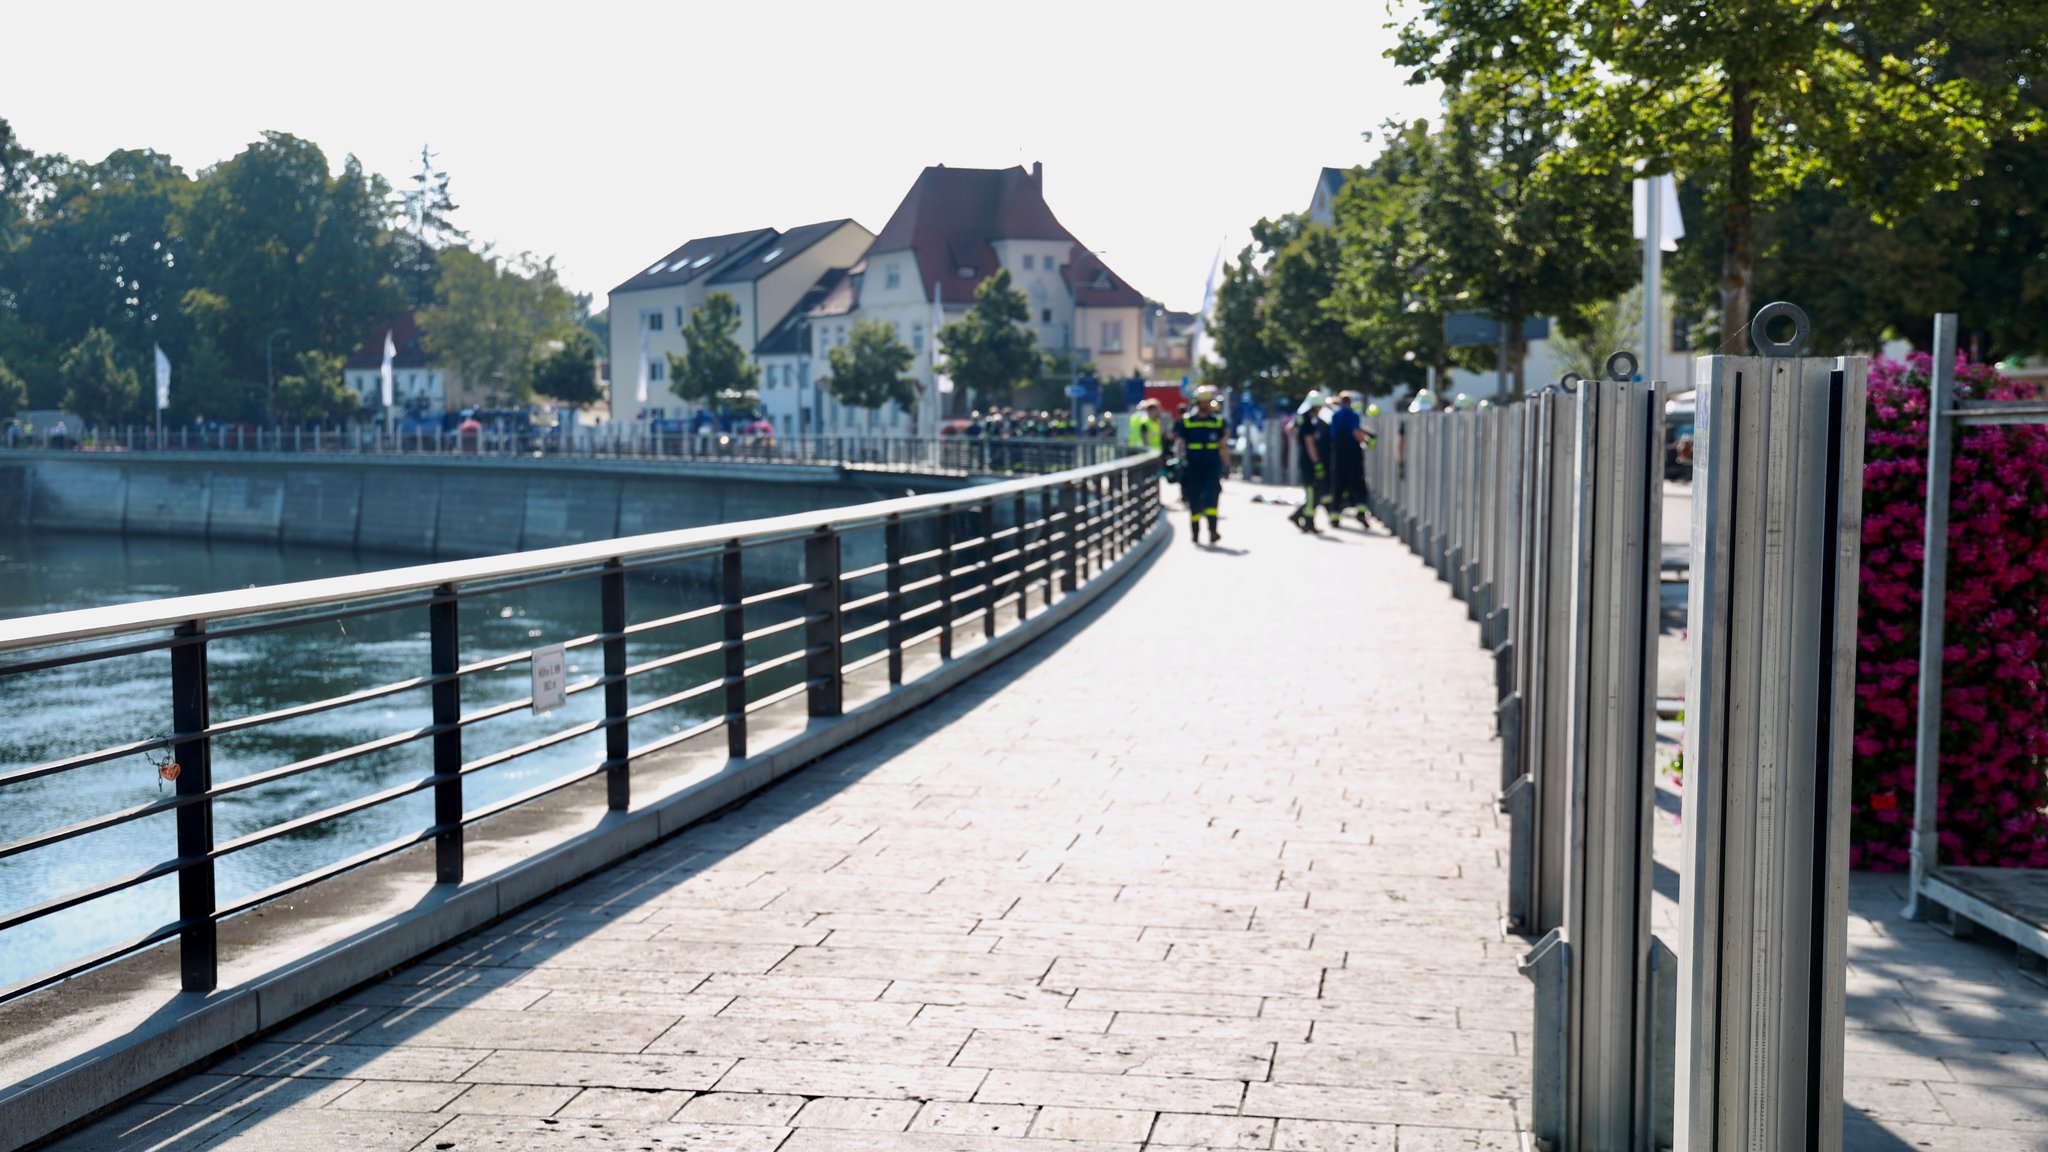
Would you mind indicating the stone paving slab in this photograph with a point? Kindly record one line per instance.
(1218, 868)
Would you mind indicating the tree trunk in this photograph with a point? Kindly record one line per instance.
(1736, 222)
(1518, 357)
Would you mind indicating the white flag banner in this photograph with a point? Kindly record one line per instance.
(390, 355)
(1198, 339)
(163, 379)
(943, 382)
(1670, 225)
(640, 389)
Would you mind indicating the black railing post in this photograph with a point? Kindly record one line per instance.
(618, 748)
(988, 569)
(198, 950)
(1070, 560)
(732, 591)
(892, 549)
(1022, 564)
(946, 583)
(822, 636)
(444, 638)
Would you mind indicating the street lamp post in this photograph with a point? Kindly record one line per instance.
(270, 376)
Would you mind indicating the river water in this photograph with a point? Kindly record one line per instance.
(79, 708)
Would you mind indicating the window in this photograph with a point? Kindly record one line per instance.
(658, 266)
(894, 277)
(679, 318)
(768, 377)
(824, 341)
(803, 374)
(654, 368)
(967, 271)
(1045, 315)
(917, 338)
(654, 321)
(1112, 336)
(1030, 261)
(770, 257)
(839, 336)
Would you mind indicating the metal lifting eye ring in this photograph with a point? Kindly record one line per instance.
(1759, 329)
(1570, 381)
(1619, 374)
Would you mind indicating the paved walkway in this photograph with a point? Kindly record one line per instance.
(1187, 876)
(1184, 877)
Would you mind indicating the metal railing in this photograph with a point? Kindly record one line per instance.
(1544, 517)
(953, 455)
(667, 642)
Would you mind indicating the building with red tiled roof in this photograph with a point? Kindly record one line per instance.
(954, 229)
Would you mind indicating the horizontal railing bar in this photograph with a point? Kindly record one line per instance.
(671, 621)
(919, 585)
(770, 665)
(327, 872)
(104, 955)
(118, 619)
(781, 694)
(865, 631)
(860, 602)
(324, 760)
(297, 711)
(864, 573)
(537, 744)
(866, 661)
(921, 557)
(673, 658)
(334, 812)
(769, 597)
(673, 699)
(923, 610)
(674, 738)
(79, 896)
(88, 759)
(767, 630)
(96, 824)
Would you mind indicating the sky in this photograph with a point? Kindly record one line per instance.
(605, 134)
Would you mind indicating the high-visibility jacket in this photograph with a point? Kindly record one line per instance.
(1144, 432)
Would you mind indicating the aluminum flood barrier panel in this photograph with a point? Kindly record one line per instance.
(1777, 497)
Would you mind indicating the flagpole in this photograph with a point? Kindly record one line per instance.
(1653, 277)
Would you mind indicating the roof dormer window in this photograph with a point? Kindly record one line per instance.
(967, 271)
(658, 266)
(703, 260)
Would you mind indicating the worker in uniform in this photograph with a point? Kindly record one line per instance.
(1204, 460)
(1144, 433)
(1311, 437)
(1347, 462)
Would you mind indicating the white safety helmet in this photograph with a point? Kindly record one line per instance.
(1425, 401)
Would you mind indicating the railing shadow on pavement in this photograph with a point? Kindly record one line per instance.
(305, 1057)
(1050, 556)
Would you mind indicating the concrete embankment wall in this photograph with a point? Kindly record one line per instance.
(446, 508)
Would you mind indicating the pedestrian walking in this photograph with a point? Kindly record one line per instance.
(1204, 460)
(1311, 434)
(1347, 462)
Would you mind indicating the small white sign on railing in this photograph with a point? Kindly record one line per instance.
(550, 680)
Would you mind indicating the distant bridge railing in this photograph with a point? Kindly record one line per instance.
(954, 455)
(435, 697)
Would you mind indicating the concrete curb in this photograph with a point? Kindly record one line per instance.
(195, 1028)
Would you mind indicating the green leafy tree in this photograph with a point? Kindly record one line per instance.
(315, 392)
(714, 369)
(13, 393)
(97, 385)
(426, 209)
(868, 370)
(1395, 287)
(1303, 316)
(1891, 100)
(1519, 224)
(497, 319)
(989, 351)
(287, 245)
(1237, 327)
(568, 374)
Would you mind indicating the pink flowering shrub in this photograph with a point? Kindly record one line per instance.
(1994, 788)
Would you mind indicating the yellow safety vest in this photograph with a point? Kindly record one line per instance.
(1144, 432)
